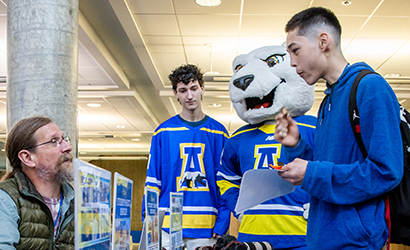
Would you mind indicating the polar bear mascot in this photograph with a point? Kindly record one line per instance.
(263, 82)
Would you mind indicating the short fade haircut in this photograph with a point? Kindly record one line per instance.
(309, 20)
(185, 74)
(22, 137)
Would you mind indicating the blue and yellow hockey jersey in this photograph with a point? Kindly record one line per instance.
(186, 159)
(279, 221)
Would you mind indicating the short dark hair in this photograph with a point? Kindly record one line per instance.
(186, 73)
(310, 18)
(21, 137)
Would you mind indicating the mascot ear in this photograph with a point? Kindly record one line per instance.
(284, 44)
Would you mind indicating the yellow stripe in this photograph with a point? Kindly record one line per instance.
(214, 131)
(306, 125)
(243, 131)
(159, 191)
(268, 128)
(170, 129)
(225, 185)
(262, 224)
(194, 221)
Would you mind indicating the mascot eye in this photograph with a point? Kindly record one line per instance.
(238, 67)
(274, 59)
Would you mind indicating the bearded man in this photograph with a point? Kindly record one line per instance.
(36, 199)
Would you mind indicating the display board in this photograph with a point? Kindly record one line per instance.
(122, 200)
(175, 227)
(92, 187)
(150, 239)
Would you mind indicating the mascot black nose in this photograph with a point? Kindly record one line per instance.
(243, 82)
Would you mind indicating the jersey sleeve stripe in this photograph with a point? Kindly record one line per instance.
(169, 129)
(306, 125)
(153, 180)
(214, 131)
(152, 187)
(225, 185)
(230, 178)
(243, 131)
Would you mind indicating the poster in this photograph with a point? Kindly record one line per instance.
(152, 219)
(122, 198)
(92, 187)
(175, 228)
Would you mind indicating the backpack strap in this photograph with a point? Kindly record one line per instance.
(354, 111)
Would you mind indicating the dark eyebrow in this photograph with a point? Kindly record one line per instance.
(290, 45)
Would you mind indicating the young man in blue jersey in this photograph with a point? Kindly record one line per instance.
(347, 207)
(184, 157)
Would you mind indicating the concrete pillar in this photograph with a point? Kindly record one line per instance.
(42, 56)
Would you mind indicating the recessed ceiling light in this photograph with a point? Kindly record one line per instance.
(135, 139)
(120, 126)
(346, 3)
(3, 149)
(208, 3)
(214, 105)
(94, 105)
(392, 75)
(90, 139)
(83, 153)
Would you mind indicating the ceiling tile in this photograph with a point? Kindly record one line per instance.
(248, 44)
(394, 8)
(264, 25)
(405, 50)
(356, 8)
(162, 40)
(396, 64)
(95, 74)
(373, 60)
(166, 48)
(367, 46)
(122, 102)
(386, 27)
(190, 7)
(277, 7)
(139, 123)
(151, 7)
(219, 43)
(167, 62)
(351, 25)
(222, 62)
(208, 25)
(164, 25)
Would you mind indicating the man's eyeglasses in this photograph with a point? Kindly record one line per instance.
(55, 142)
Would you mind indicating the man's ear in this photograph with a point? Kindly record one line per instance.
(26, 158)
(324, 41)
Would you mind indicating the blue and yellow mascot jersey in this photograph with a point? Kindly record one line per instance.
(186, 159)
(279, 221)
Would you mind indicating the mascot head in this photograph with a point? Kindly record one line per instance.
(263, 82)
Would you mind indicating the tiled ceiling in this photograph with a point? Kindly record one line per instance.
(127, 48)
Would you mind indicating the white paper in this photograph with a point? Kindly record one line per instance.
(260, 185)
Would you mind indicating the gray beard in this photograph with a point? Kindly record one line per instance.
(63, 175)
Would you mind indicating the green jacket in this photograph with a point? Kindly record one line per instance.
(36, 225)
